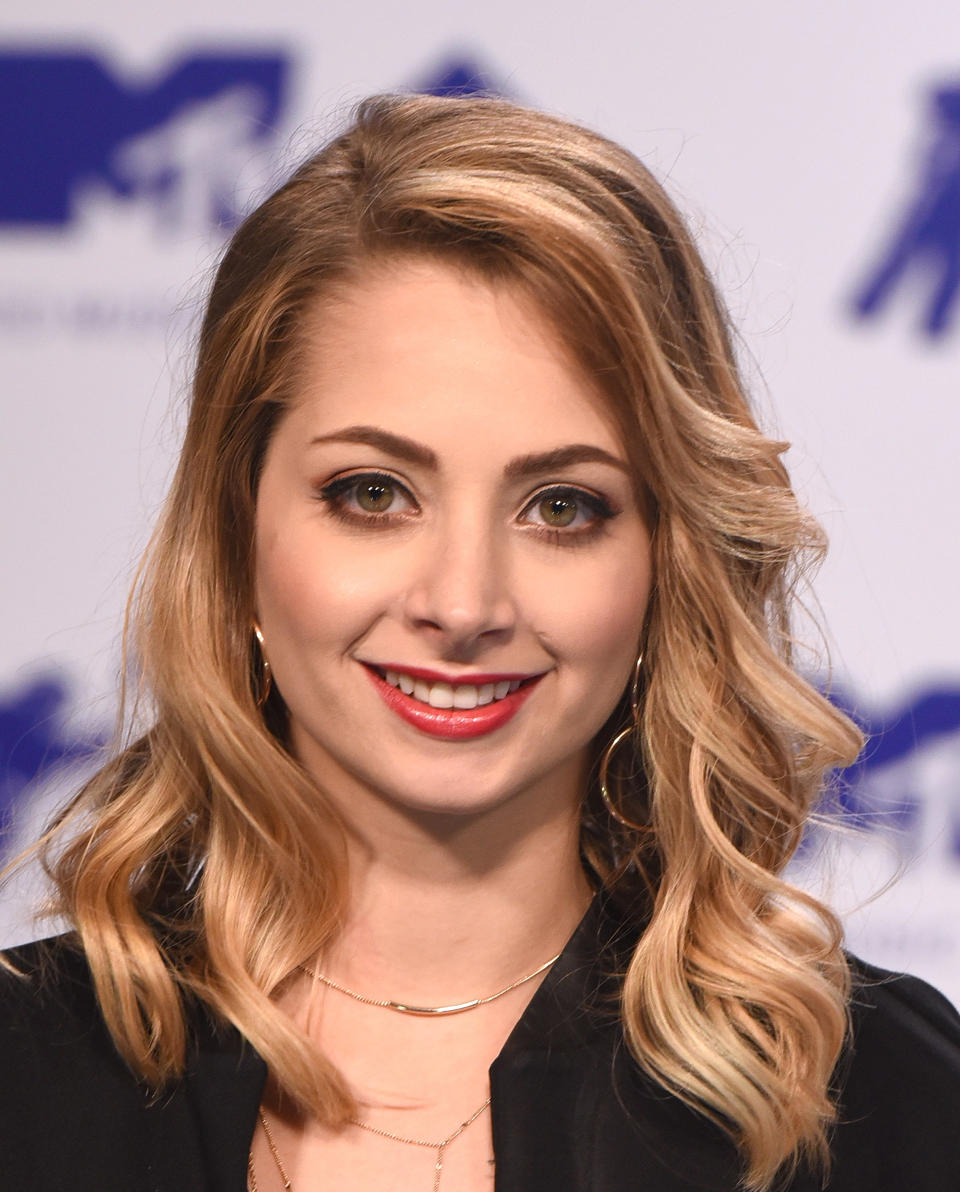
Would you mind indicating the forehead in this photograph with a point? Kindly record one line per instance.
(437, 353)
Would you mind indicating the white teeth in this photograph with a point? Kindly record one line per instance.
(441, 695)
(445, 695)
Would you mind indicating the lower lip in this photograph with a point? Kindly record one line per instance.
(456, 724)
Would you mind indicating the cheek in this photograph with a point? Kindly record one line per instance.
(593, 621)
(608, 623)
(310, 591)
(290, 595)
(611, 602)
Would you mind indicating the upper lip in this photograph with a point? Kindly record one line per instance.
(477, 679)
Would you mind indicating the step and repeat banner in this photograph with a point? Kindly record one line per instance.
(817, 155)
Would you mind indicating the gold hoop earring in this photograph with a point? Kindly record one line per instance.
(608, 753)
(266, 682)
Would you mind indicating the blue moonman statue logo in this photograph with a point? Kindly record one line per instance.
(71, 126)
(928, 237)
(33, 741)
(458, 77)
(929, 719)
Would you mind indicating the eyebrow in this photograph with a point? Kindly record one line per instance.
(561, 457)
(520, 468)
(396, 445)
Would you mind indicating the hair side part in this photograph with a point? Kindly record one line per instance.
(208, 866)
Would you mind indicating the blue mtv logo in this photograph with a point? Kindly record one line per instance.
(34, 739)
(70, 126)
(926, 240)
(888, 787)
(458, 77)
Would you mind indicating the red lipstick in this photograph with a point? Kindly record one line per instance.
(456, 724)
(432, 676)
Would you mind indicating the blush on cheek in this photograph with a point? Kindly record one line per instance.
(609, 633)
(310, 597)
(609, 615)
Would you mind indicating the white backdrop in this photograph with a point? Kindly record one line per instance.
(802, 141)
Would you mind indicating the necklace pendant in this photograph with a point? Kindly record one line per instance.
(426, 1011)
(435, 1011)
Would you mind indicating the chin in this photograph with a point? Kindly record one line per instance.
(450, 800)
(467, 781)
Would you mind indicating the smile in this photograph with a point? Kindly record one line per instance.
(443, 707)
(445, 695)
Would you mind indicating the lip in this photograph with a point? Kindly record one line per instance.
(454, 724)
(478, 679)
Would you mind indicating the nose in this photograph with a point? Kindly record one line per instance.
(461, 593)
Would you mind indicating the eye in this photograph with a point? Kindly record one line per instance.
(558, 511)
(567, 511)
(376, 496)
(367, 496)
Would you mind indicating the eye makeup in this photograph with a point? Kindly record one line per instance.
(354, 499)
(377, 500)
(565, 504)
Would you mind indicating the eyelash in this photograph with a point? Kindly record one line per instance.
(333, 495)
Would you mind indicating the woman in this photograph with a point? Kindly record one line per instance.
(450, 854)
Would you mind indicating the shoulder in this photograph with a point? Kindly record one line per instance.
(50, 1023)
(48, 1003)
(62, 1079)
(900, 1023)
(898, 1086)
(47, 980)
(73, 1116)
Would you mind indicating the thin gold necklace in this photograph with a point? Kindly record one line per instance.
(439, 1147)
(427, 1011)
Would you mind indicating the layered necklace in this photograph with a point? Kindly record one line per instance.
(399, 1008)
(439, 1147)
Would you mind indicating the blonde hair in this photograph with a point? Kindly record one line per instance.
(201, 863)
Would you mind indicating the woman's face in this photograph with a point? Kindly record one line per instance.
(446, 517)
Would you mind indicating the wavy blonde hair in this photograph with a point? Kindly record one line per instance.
(201, 863)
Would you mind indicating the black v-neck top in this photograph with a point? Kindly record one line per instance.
(571, 1111)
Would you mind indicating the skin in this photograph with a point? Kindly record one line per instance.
(464, 869)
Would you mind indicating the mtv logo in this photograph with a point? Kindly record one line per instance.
(907, 768)
(34, 741)
(926, 240)
(179, 143)
(458, 77)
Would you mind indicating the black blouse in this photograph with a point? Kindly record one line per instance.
(571, 1111)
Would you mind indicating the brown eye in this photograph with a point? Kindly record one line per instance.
(371, 499)
(558, 511)
(375, 496)
(567, 515)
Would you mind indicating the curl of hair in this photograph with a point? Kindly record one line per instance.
(203, 864)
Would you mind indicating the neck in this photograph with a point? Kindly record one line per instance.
(444, 909)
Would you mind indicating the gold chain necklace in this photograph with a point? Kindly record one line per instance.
(400, 1008)
(439, 1147)
(428, 1011)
